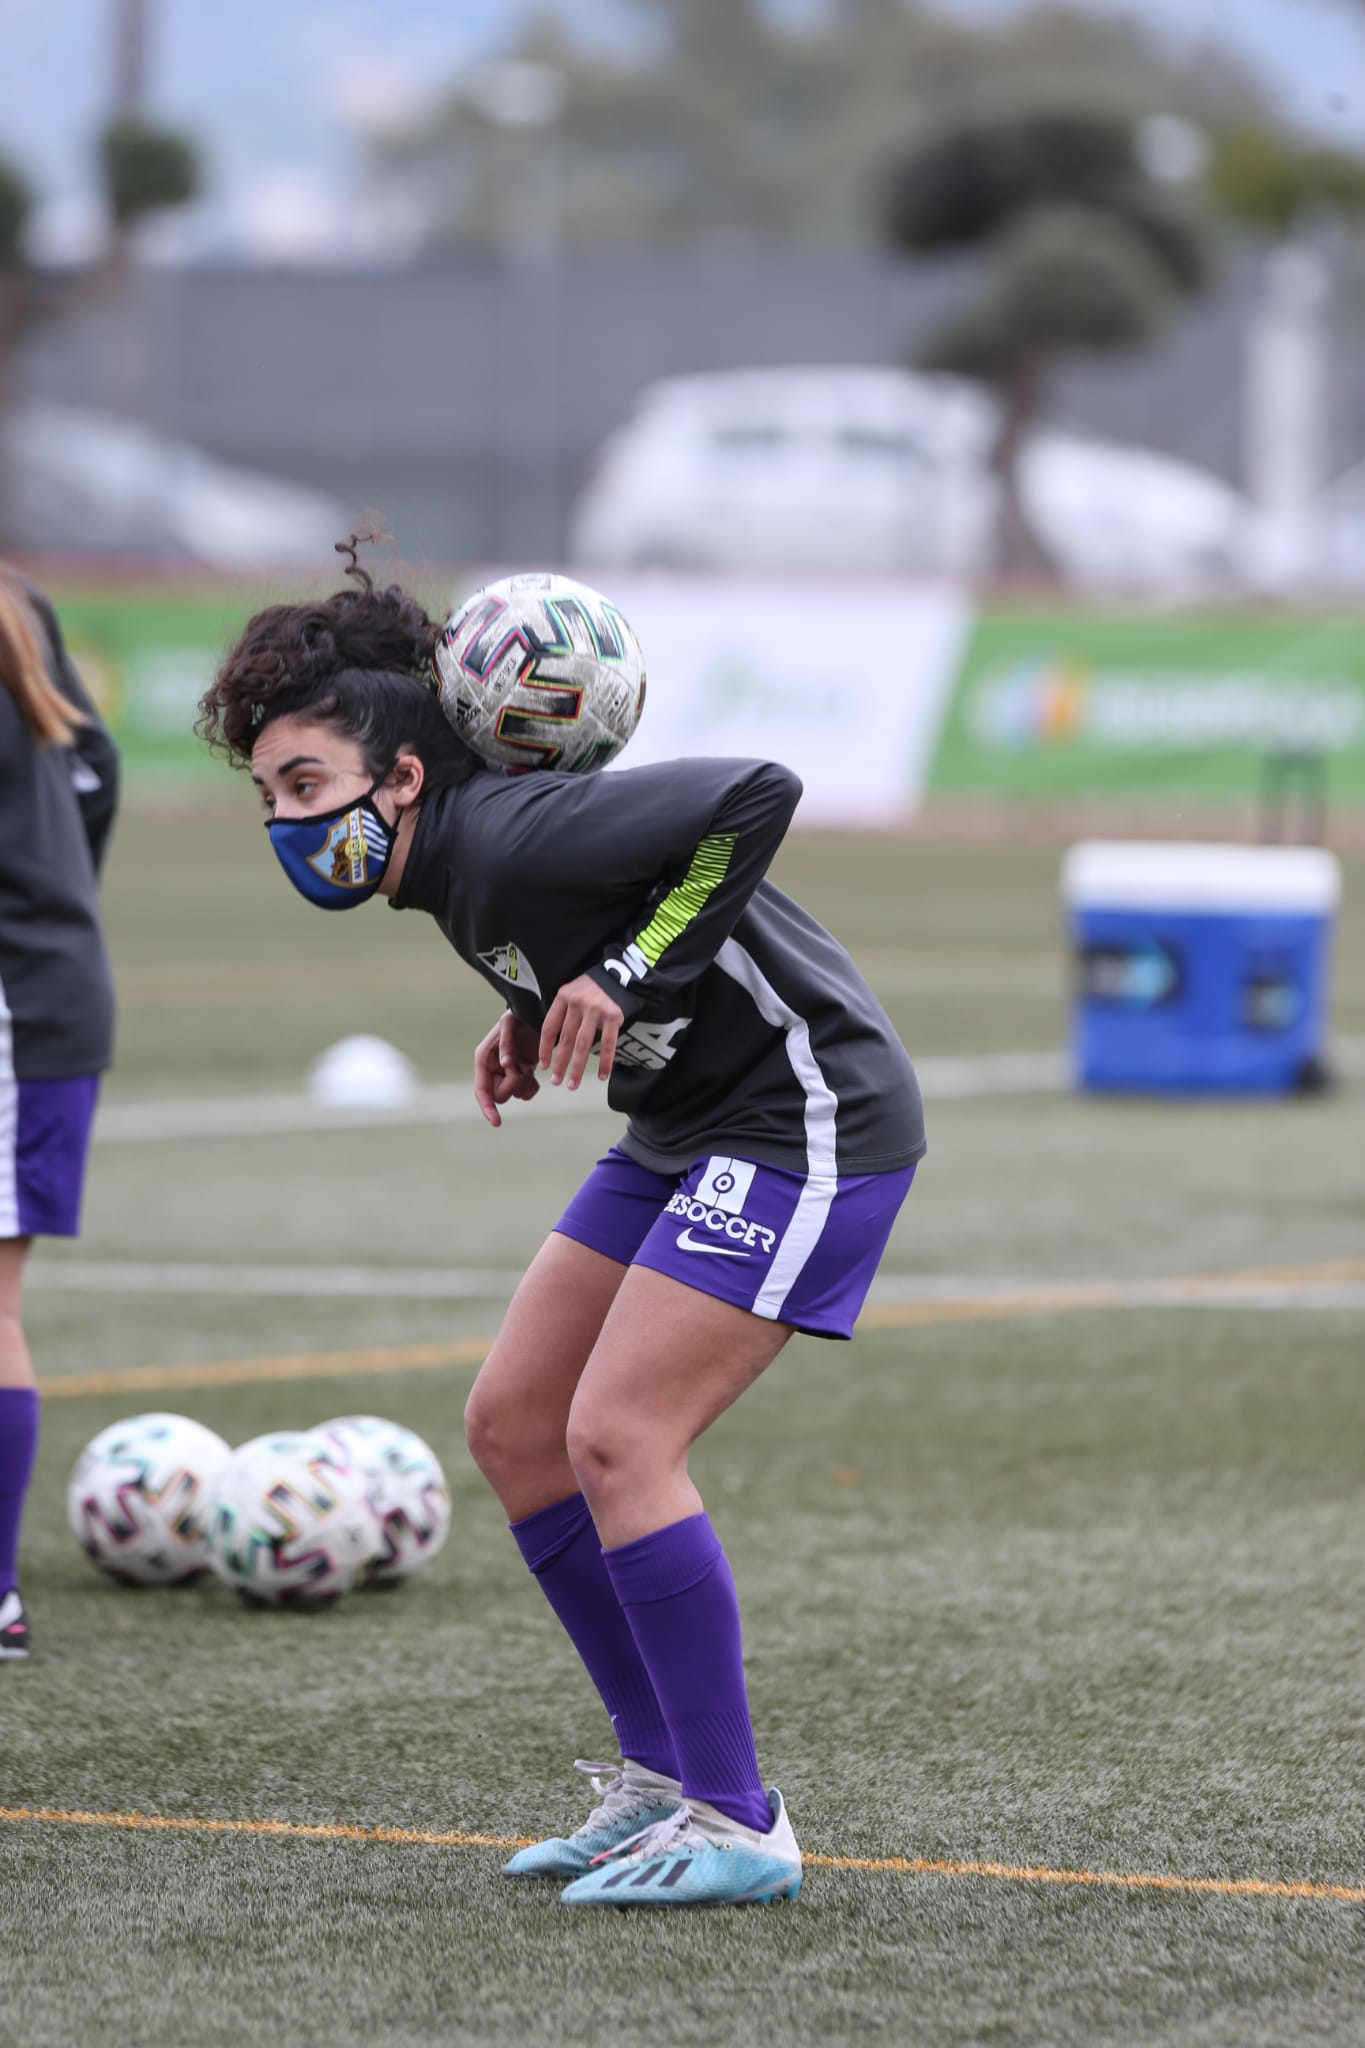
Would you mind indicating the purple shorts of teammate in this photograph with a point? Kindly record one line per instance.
(44, 1141)
(794, 1248)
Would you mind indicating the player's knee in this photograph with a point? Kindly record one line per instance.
(603, 1451)
(496, 1443)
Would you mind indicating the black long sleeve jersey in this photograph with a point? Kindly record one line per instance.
(56, 809)
(747, 1029)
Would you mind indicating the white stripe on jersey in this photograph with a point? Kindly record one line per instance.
(9, 1125)
(822, 1107)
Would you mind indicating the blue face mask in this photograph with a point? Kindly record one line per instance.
(335, 858)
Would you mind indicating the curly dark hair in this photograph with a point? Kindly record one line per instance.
(360, 661)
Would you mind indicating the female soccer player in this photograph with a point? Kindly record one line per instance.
(773, 1124)
(58, 790)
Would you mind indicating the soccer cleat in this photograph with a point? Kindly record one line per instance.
(633, 1799)
(13, 1626)
(698, 1856)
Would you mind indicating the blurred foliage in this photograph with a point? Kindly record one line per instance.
(15, 202)
(1263, 177)
(146, 168)
(1080, 250)
(965, 180)
(981, 170)
(729, 125)
(1062, 278)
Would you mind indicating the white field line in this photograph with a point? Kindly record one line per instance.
(435, 1283)
(943, 1079)
(263, 1116)
(256, 1116)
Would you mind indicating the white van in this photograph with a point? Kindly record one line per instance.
(882, 470)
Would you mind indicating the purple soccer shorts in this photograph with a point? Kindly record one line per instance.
(44, 1140)
(794, 1248)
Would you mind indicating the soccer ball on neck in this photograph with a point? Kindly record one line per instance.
(537, 671)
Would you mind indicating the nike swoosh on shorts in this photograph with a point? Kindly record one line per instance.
(687, 1243)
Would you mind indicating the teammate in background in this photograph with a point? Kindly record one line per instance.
(774, 1123)
(58, 791)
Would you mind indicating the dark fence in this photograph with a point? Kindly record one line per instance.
(462, 398)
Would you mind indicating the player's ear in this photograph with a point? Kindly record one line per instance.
(406, 780)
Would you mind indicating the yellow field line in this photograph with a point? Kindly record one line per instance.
(1069, 1297)
(911, 1866)
(321, 1831)
(1066, 1299)
(290, 1365)
(1127, 1880)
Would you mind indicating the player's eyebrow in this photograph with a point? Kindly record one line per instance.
(286, 767)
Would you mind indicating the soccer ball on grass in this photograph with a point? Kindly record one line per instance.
(140, 1496)
(408, 1491)
(293, 1522)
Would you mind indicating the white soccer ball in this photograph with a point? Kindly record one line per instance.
(537, 671)
(408, 1490)
(140, 1496)
(362, 1072)
(293, 1524)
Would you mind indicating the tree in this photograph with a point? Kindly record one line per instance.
(1080, 251)
(1274, 183)
(15, 202)
(729, 125)
(15, 310)
(145, 169)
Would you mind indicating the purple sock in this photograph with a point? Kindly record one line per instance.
(679, 1597)
(18, 1444)
(560, 1546)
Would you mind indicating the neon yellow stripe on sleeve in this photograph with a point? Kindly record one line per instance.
(689, 899)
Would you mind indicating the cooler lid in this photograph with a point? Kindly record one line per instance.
(1114, 874)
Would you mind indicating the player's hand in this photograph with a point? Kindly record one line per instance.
(504, 1066)
(579, 1015)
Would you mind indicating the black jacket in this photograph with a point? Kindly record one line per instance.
(748, 1028)
(57, 806)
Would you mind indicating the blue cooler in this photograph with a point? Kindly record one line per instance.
(1200, 970)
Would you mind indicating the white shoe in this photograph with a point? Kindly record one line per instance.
(632, 1799)
(14, 1638)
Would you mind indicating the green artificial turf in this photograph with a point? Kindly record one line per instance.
(1078, 1591)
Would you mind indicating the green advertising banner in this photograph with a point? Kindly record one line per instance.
(1071, 703)
(146, 652)
(1047, 701)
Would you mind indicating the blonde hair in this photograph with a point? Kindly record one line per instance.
(24, 673)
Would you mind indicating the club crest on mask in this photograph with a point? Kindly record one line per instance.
(344, 856)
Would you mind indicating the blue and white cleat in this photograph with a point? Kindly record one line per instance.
(698, 1856)
(633, 1799)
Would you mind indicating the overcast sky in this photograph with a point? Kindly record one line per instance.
(274, 88)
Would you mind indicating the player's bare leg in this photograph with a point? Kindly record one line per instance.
(516, 1422)
(669, 1361)
(18, 1441)
(516, 1418)
(16, 1367)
